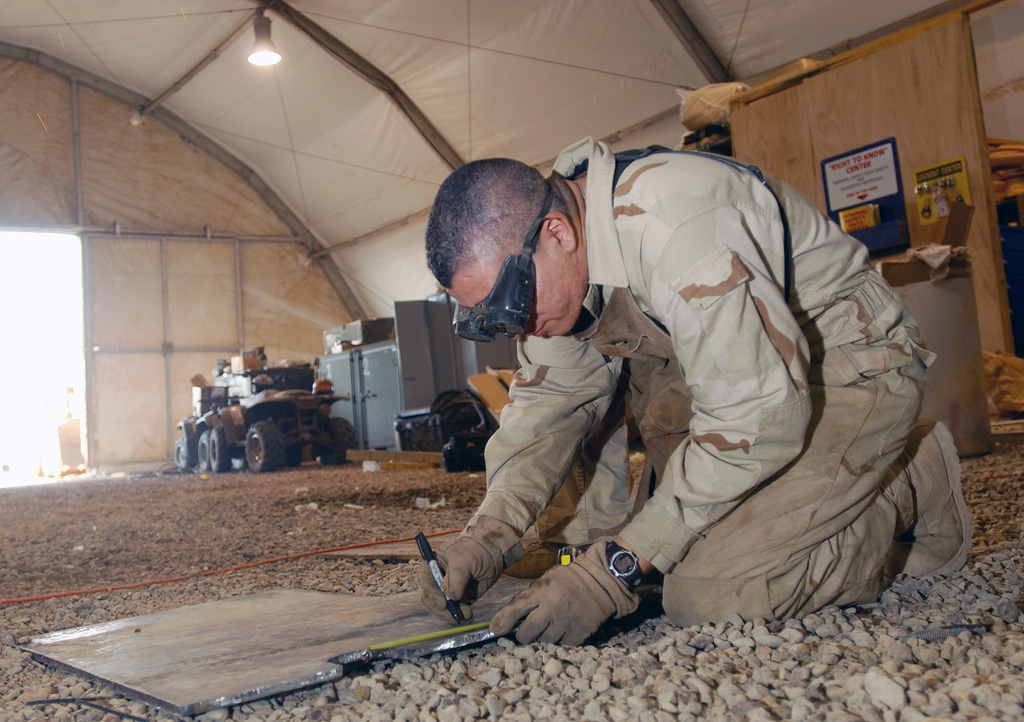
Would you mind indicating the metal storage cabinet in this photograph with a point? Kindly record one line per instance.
(433, 358)
(370, 376)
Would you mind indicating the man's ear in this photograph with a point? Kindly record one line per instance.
(562, 230)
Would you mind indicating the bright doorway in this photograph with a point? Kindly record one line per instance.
(42, 365)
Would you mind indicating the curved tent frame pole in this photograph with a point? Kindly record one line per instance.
(372, 75)
(196, 138)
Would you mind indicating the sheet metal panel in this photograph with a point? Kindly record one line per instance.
(218, 654)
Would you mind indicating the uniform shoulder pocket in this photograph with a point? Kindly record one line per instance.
(717, 289)
(711, 278)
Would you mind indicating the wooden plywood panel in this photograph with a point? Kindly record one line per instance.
(124, 295)
(201, 294)
(773, 133)
(927, 107)
(36, 183)
(127, 416)
(145, 176)
(288, 303)
(921, 89)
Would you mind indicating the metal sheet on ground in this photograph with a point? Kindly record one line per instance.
(194, 659)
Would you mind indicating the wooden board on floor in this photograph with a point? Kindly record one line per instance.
(218, 654)
(427, 458)
(406, 550)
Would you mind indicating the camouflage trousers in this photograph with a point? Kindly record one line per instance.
(817, 533)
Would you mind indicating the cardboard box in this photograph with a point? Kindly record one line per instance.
(492, 388)
(244, 363)
(947, 317)
(361, 332)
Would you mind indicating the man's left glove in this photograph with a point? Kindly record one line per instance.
(568, 603)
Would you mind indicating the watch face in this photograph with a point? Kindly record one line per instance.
(623, 563)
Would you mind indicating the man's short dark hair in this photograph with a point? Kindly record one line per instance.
(482, 210)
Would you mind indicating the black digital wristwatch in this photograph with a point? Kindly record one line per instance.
(623, 564)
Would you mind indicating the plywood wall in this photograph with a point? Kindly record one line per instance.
(919, 87)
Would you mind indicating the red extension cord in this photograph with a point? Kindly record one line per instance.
(211, 572)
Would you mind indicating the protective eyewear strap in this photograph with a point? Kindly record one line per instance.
(533, 234)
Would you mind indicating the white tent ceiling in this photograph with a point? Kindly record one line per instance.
(519, 78)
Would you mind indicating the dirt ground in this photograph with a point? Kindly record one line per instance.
(102, 532)
(106, 532)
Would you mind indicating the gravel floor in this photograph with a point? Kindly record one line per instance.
(839, 664)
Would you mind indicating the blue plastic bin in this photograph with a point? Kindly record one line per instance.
(1013, 255)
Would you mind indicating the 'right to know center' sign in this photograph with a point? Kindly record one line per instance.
(861, 176)
(865, 196)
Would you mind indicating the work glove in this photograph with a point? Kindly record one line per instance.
(471, 565)
(568, 603)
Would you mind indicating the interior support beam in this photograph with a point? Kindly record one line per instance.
(196, 69)
(76, 153)
(370, 235)
(544, 167)
(117, 231)
(693, 42)
(371, 74)
(200, 141)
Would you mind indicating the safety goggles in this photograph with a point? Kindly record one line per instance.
(506, 308)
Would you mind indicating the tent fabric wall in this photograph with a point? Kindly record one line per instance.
(161, 311)
(168, 183)
(126, 428)
(158, 312)
(161, 308)
(287, 303)
(35, 146)
(391, 268)
(999, 52)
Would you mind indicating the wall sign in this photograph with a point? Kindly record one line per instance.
(938, 187)
(864, 195)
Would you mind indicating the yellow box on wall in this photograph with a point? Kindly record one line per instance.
(938, 187)
(859, 217)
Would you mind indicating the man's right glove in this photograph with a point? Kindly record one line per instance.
(471, 565)
(569, 603)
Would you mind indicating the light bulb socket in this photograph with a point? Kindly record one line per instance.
(263, 51)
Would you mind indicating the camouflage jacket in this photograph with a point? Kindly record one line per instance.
(699, 245)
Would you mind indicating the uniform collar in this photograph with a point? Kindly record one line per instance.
(604, 256)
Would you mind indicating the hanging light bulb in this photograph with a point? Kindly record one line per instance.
(263, 51)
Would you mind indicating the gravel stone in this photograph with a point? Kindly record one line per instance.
(772, 641)
(835, 664)
(883, 690)
(792, 635)
(552, 668)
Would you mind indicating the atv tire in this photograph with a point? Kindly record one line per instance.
(343, 438)
(203, 451)
(220, 451)
(265, 447)
(182, 459)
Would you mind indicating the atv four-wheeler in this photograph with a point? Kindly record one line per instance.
(265, 417)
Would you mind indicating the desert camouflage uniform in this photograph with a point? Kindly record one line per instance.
(770, 426)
